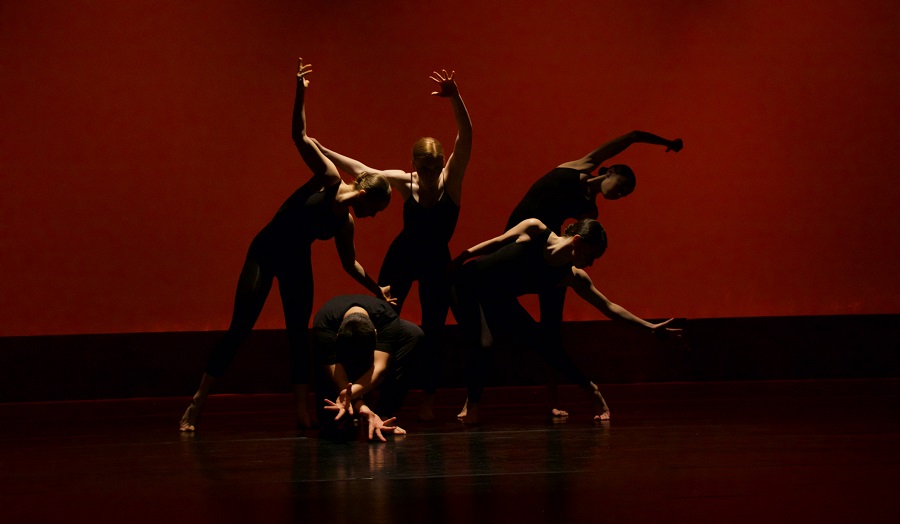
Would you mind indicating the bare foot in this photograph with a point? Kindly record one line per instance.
(600, 408)
(189, 419)
(426, 413)
(468, 414)
(462, 413)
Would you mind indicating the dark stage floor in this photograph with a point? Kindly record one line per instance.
(809, 451)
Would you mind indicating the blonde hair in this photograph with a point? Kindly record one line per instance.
(376, 186)
(427, 147)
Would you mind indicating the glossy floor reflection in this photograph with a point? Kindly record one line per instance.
(817, 451)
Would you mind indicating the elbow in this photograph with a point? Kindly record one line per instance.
(300, 138)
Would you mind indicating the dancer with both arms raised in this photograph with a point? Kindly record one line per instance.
(432, 193)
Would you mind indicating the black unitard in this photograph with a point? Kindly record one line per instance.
(491, 285)
(420, 252)
(395, 336)
(282, 250)
(554, 198)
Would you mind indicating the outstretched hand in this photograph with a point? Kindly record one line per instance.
(446, 83)
(675, 145)
(377, 426)
(670, 334)
(302, 71)
(343, 404)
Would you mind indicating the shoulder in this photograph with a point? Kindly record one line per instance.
(579, 279)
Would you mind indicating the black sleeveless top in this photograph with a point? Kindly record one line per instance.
(431, 226)
(307, 216)
(555, 197)
(519, 269)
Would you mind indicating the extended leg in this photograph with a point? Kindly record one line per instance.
(253, 288)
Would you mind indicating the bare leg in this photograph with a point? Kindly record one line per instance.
(601, 410)
(189, 419)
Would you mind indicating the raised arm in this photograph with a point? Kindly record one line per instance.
(398, 178)
(455, 169)
(323, 170)
(347, 252)
(615, 146)
(581, 282)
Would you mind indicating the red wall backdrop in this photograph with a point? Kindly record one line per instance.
(142, 145)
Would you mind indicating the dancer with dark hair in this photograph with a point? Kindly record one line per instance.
(318, 210)
(569, 192)
(360, 344)
(529, 259)
(431, 193)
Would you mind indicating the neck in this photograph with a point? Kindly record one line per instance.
(560, 248)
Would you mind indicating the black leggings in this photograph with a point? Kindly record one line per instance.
(483, 317)
(295, 283)
(404, 264)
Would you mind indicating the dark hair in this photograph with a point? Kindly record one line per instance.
(590, 231)
(376, 186)
(355, 336)
(624, 172)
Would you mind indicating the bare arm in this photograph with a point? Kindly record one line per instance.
(581, 282)
(323, 170)
(615, 146)
(455, 169)
(371, 378)
(347, 252)
(521, 232)
(398, 178)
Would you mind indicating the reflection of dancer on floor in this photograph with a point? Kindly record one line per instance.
(431, 193)
(362, 345)
(528, 259)
(318, 210)
(570, 192)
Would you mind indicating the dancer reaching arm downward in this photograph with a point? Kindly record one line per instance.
(318, 210)
(570, 192)
(432, 193)
(529, 259)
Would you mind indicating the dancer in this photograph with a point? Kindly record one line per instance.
(570, 192)
(530, 258)
(320, 209)
(432, 193)
(362, 345)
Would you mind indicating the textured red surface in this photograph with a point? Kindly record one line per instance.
(141, 147)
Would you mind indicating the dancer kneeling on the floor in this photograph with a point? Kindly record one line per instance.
(362, 345)
(529, 259)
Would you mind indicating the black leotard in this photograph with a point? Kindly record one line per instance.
(490, 286)
(555, 197)
(282, 250)
(420, 252)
